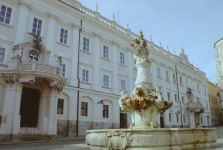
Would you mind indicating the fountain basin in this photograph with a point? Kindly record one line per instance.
(147, 139)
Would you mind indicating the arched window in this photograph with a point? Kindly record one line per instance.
(33, 56)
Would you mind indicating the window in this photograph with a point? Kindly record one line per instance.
(209, 97)
(86, 44)
(158, 72)
(105, 52)
(84, 108)
(174, 78)
(122, 58)
(182, 100)
(168, 96)
(169, 117)
(5, 14)
(184, 118)
(167, 75)
(175, 97)
(186, 83)
(63, 36)
(85, 75)
(63, 67)
(207, 105)
(106, 81)
(105, 111)
(177, 117)
(33, 56)
(198, 88)
(181, 81)
(123, 85)
(2, 54)
(201, 120)
(60, 106)
(37, 24)
(205, 91)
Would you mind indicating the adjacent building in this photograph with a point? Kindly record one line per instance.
(214, 104)
(71, 81)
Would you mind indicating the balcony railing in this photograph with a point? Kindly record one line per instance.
(195, 107)
(41, 67)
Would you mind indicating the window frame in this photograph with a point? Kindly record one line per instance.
(104, 110)
(175, 96)
(168, 96)
(60, 105)
(38, 19)
(63, 73)
(123, 85)
(105, 48)
(122, 55)
(170, 119)
(5, 14)
(85, 75)
(103, 79)
(4, 54)
(84, 108)
(86, 47)
(167, 75)
(63, 39)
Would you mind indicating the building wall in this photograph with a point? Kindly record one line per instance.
(101, 32)
(214, 103)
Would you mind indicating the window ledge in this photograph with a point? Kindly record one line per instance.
(174, 82)
(3, 65)
(167, 80)
(105, 59)
(181, 85)
(122, 65)
(135, 69)
(65, 45)
(85, 52)
(159, 77)
(34, 33)
(105, 87)
(85, 82)
(6, 25)
(123, 90)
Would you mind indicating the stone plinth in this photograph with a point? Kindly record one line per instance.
(156, 139)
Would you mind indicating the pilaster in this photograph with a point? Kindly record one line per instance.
(96, 66)
(164, 94)
(130, 63)
(115, 68)
(50, 39)
(21, 24)
(74, 60)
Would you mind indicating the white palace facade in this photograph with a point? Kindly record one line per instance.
(71, 81)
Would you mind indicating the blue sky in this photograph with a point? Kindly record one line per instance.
(194, 24)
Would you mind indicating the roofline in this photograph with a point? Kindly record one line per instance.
(217, 41)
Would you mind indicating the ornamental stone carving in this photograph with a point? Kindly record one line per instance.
(144, 103)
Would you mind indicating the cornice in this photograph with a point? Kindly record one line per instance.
(122, 75)
(12, 2)
(122, 48)
(85, 64)
(87, 33)
(105, 70)
(105, 41)
(39, 13)
(6, 41)
(65, 24)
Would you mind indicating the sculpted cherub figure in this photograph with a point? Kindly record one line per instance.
(159, 98)
(122, 100)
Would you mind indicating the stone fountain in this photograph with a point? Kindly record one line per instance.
(144, 105)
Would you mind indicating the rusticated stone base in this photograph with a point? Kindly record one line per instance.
(66, 128)
(89, 125)
(25, 137)
(156, 139)
(4, 137)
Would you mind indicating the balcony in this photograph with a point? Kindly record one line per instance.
(195, 107)
(40, 70)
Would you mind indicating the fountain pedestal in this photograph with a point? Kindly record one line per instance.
(144, 105)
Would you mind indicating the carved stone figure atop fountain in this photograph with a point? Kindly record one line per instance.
(144, 103)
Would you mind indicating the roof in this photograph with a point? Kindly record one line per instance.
(217, 41)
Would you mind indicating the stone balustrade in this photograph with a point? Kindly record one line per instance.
(40, 67)
(195, 107)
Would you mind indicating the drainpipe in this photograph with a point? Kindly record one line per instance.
(179, 98)
(78, 91)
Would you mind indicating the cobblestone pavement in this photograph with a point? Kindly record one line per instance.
(80, 144)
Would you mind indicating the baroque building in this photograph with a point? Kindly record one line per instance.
(63, 66)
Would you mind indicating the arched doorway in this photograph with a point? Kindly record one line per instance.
(29, 107)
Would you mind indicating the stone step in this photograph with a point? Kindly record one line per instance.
(32, 137)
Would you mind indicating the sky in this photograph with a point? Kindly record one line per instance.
(194, 24)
